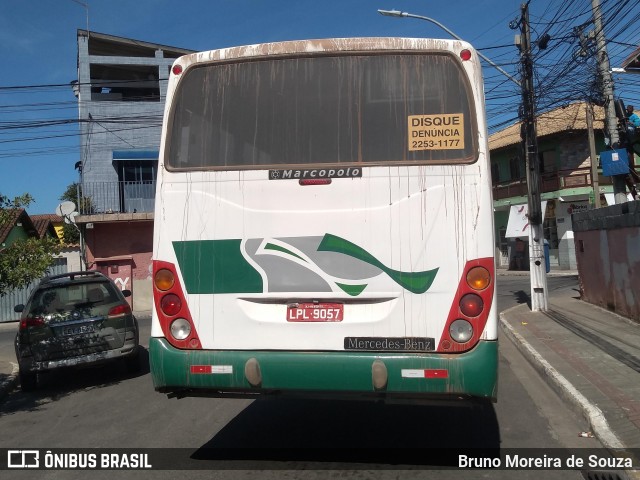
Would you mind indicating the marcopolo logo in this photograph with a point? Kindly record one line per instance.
(309, 173)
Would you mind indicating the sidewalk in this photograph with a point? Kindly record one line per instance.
(590, 356)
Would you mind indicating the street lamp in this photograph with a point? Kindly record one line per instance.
(399, 14)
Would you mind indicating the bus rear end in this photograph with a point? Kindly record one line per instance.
(324, 223)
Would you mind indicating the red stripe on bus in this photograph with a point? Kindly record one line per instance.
(436, 373)
(200, 368)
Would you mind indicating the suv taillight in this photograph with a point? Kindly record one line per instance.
(123, 309)
(31, 322)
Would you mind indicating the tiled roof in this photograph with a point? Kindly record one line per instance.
(18, 215)
(564, 119)
(633, 60)
(45, 222)
(49, 216)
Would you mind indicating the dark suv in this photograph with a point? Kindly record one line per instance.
(72, 319)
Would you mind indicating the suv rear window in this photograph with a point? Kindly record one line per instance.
(94, 298)
(321, 110)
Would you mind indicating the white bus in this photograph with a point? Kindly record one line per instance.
(324, 223)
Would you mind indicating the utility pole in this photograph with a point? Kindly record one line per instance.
(604, 70)
(537, 264)
(595, 181)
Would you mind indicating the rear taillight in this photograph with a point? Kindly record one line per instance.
(170, 304)
(315, 181)
(31, 322)
(171, 307)
(470, 308)
(164, 279)
(123, 309)
(478, 278)
(471, 305)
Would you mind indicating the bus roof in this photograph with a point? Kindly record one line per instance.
(298, 47)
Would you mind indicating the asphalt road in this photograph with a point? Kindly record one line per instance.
(283, 438)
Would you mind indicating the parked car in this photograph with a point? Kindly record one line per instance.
(73, 319)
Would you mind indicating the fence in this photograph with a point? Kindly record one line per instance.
(21, 295)
(117, 197)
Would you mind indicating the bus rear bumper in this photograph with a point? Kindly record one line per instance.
(240, 373)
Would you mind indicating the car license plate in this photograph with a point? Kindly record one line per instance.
(315, 312)
(78, 329)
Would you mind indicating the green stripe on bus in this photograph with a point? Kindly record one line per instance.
(473, 373)
(278, 248)
(415, 282)
(216, 266)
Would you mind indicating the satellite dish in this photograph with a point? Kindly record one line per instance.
(71, 218)
(65, 208)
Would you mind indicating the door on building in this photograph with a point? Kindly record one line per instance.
(120, 271)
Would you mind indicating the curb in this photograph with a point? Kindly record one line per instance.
(561, 385)
(10, 382)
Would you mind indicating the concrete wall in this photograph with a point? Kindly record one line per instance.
(72, 254)
(607, 244)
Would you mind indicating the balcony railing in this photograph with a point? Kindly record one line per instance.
(117, 197)
(551, 182)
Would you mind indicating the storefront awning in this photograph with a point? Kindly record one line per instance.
(122, 155)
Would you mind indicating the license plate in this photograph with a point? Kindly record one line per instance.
(78, 329)
(315, 312)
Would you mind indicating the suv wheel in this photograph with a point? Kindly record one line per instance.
(28, 381)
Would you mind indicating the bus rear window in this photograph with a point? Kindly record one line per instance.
(351, 109)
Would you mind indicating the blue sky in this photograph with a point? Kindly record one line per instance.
(38, 51)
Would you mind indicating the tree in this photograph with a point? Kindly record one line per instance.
(8, 207)
(24, 260)
(73, 193)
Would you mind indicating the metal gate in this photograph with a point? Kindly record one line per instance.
(21, 295)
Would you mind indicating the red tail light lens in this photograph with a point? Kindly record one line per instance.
(31, 322)
(123, 309)
(471, 305)
(315, 181)
(170, 304)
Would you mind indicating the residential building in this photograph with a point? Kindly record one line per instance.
(567, 179)
(20, 226)
(631, 64)
(70, 251)
(121, 88)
